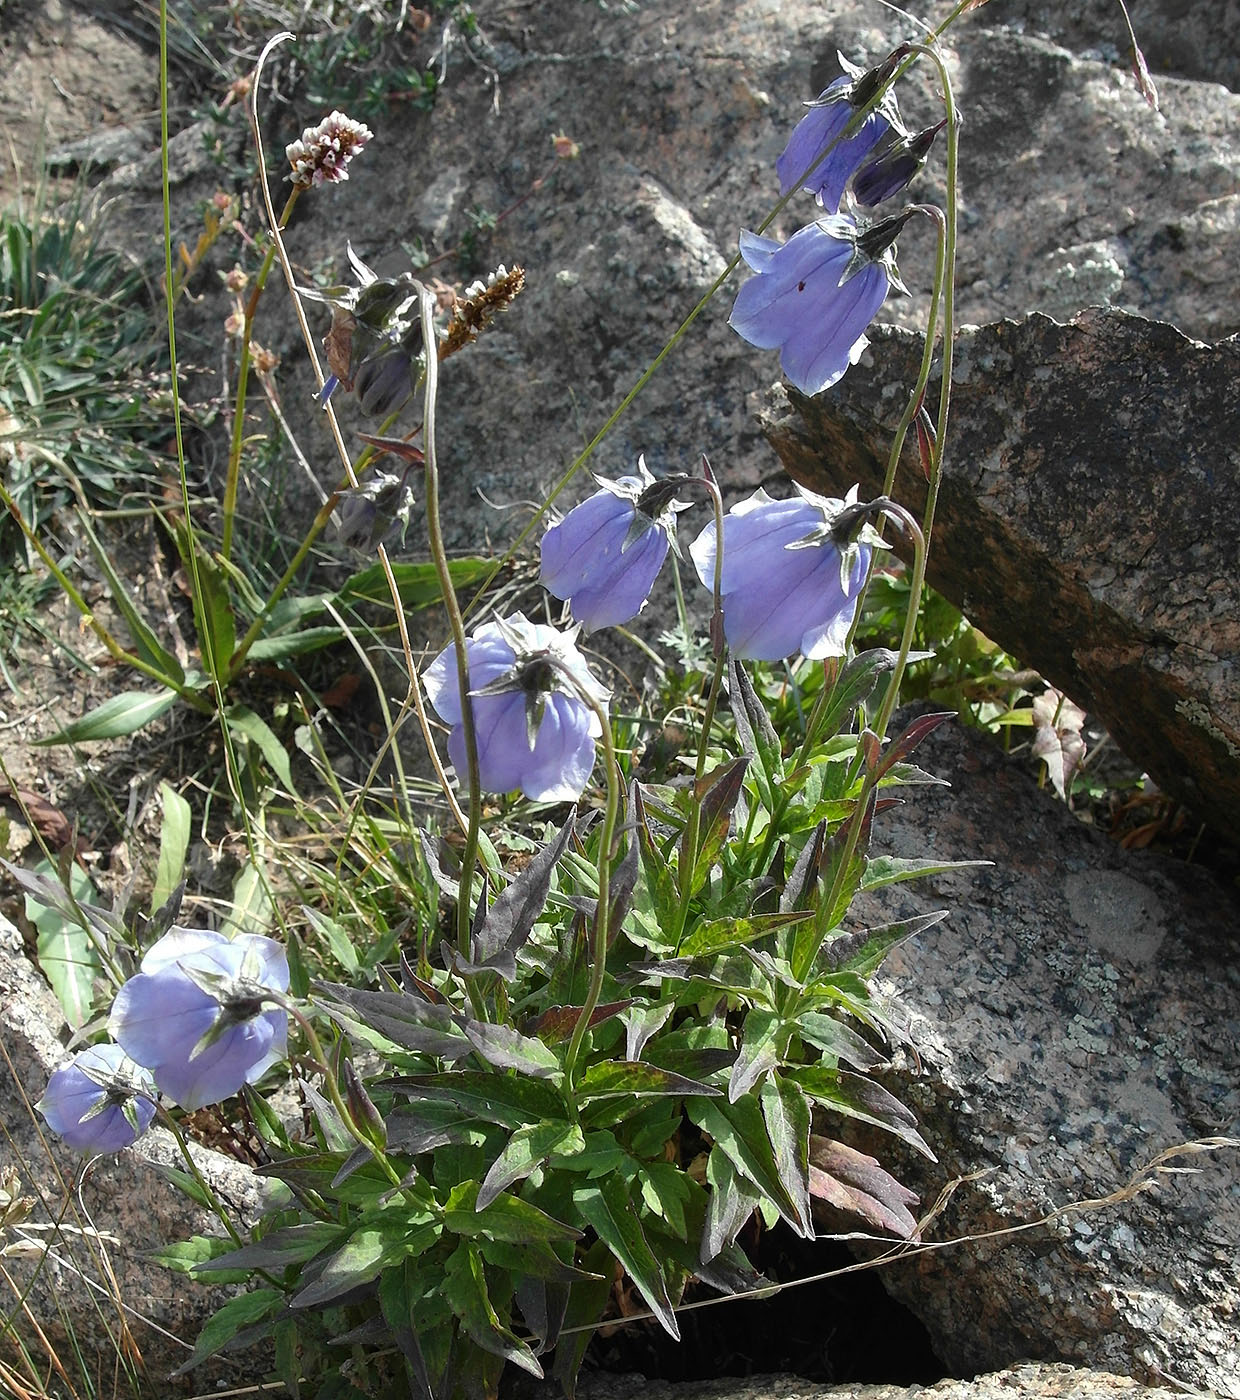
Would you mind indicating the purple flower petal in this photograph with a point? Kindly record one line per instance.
(821, 125)
(76, 1088)
(777, 599)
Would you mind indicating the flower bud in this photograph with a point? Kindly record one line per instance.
(894, 167)
(386, 379)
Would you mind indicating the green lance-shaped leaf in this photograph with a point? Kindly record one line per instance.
(526, 1149)
(489, 1098)
(740, 1132)
(223, 1326)
(507, 924)
(853, 686)
(762, 1039)
(786, 1111)
(717, 795)
(611, 1079)
(123, 714)
(291, 1244)
(416, 584)
(606, 1208)
(506, 1048)
(242, 720)
(507, 1219)
(733, 1200)
(717, 935)
(408, 1021)
(147, 645)
(174, 835)
(856, 1096)
(465, 1288)
(838, 1040)
(865, 950)
(756, 733)
(66, 947)
(889, 870)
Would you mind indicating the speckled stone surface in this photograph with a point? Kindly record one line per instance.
(1028, 1382)
(1077, 1014)
(1087, 520)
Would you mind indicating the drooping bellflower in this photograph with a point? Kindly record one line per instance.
(606, 553)
(199, 1013)
(534, 731)
(791, 578)
(825, 122)
(814, 296)
(100, 1101)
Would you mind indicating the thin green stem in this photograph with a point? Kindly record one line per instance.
(602, 911)
(332, 1085)
(914, 532)
(195, 1171)
(243, 382)
(255, 629)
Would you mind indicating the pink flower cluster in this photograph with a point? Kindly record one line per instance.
(323, 153)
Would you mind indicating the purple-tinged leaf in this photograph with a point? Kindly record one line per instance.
(732, 1201)
(611, 1079)
(855, 1096)
(739, 1131)
(856, 1184)
(803, 881)
(907, 740)
(506, 1048)
(557, 1023)
(508, 922)
(865, 950)
(488, 1098)
(838, 1040)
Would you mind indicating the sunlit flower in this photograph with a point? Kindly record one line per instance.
(199, 1014)
(606, 553)
(100, 1101)
(534, 730)
(815, 295)
(825, 122)
(789, 583)
(323, 153)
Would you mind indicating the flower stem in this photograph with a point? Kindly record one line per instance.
(439, 553)
(602, 910)
(195, 1171)
(243, 383)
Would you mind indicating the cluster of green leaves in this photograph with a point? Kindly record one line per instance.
(84, 393)
(959, 667)
(488, 1182)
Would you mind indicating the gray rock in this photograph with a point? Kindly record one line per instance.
(1076, 1015)
(1186, 38)
(1088, 518)
(108, 1218)
(1073, 190)
(1028, 1382)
